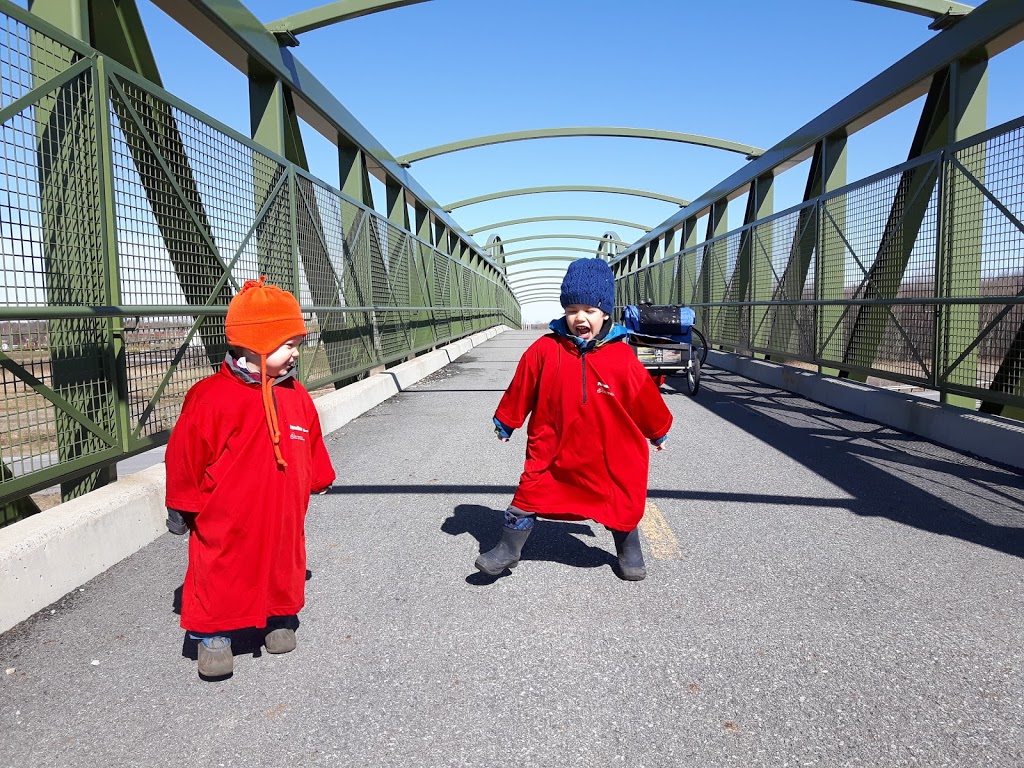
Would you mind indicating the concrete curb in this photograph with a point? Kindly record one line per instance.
(48, 555)
(989, 437)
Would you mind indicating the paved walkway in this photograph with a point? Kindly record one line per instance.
(823, 591)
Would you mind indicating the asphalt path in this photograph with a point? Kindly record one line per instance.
(822, 591)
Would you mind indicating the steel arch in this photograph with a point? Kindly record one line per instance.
(534, 270)
(342, 10)
(592, 251)
(932, 8)
(603, 238)
(540, 258)
(535, 300)
(565, 188)
(748, 150)
(534, 290)
(555, 297)
(531, 275)
(331, 13)
(531, 219)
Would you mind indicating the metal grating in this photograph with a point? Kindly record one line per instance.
(157, 235)
(983, 343)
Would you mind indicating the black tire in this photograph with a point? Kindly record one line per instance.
(699, 344)
(691, 377)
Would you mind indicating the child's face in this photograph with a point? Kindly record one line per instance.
(584, 321)
(281, 360)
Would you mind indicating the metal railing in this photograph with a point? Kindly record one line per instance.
(913, 275)
(127, 222)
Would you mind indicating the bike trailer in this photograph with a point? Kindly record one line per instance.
(662, 322)
(665, 341)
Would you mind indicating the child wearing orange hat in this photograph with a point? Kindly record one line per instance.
(242, 460)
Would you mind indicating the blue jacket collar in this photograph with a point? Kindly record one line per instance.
(561, 328)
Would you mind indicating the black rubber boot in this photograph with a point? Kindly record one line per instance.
(506, 554)
(631, 557)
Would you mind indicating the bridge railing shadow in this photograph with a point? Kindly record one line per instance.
(885, 472)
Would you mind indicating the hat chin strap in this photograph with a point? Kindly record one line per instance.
(270, 412)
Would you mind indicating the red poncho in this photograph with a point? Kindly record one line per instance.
(587, 454)
(247, 547)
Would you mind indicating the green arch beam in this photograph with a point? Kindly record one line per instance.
(342, 10)
(540, 295)
(529, 299)
(331, 13)
(553, 287)
(554, 283)
(566, 188)
(531, 271)
(591, 130)
(592, 251)
(532, 219)
(931, 8)
(528, 290)
(534, 300)
(540, 258)
(551, 280)
(504, 241)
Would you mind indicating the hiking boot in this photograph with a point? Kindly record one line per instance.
(280, 641)
(631, 557)
(215, 657)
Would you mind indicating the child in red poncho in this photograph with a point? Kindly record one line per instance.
(594, 407)
(242, 460)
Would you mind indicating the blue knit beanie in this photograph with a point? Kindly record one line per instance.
(589, 282)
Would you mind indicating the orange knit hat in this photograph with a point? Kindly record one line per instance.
(261, 318)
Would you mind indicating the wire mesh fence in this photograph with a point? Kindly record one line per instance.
(127, 223)
(914, 275)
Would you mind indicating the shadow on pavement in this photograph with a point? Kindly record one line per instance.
(551, 541)
(886, 473)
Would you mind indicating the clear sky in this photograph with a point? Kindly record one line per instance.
(749, 71)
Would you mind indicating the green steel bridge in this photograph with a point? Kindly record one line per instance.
(129, 218)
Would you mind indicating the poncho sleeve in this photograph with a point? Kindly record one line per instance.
(187, 458)
(520, 398)
(648, 410)
(322, 469)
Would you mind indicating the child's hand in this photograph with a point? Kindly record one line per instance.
(502, 432)
(660, 447)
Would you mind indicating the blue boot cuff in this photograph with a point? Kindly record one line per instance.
(518, 522)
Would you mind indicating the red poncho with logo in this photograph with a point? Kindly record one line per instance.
(247, 546)
(593, 412)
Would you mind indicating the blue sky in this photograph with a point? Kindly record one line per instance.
(445, 70)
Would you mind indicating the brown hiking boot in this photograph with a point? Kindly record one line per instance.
(280, 641)
(215, 657)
